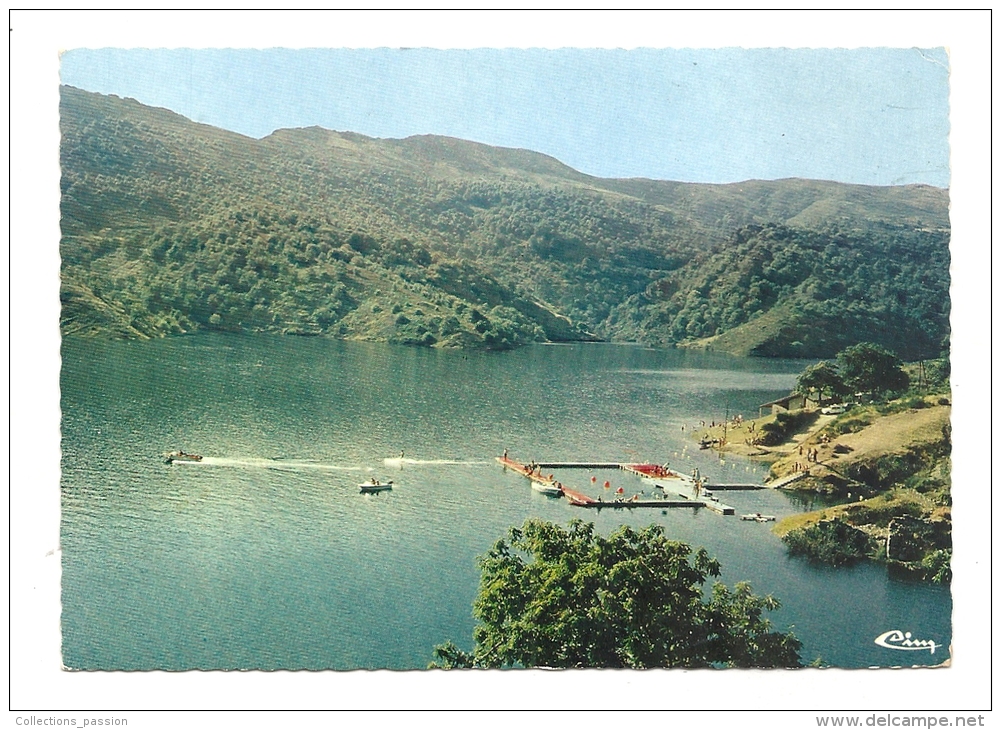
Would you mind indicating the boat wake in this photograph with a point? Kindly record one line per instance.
(397, 461)
(278, 464)
(282, 464)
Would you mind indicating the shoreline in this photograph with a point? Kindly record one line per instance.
(887, 466)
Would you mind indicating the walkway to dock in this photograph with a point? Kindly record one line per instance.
(789, 479)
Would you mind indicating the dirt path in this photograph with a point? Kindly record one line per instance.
(897, 433)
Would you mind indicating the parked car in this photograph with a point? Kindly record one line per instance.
(833, 410)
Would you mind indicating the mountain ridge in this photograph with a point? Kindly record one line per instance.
(148, 194)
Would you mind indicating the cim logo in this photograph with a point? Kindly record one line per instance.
(902, 641)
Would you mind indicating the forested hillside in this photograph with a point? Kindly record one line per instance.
(171, 226)
(780, 291)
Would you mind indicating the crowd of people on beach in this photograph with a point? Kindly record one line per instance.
(753, 438)
(734, 424)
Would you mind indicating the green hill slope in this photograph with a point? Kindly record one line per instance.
(171, 226)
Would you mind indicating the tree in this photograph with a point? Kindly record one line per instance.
(555, 597)
(869, 368)
(822, 377)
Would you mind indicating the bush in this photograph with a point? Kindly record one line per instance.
(785, 424)
(938, 565)
(880, 512)
(832, 542)
(851, 424)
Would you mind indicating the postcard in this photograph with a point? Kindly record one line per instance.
(439, 360)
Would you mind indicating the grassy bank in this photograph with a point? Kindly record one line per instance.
(886, 466)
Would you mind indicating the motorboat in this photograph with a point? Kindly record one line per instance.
(374, 485)
(181, 456)
(758, 517)
(550, 489)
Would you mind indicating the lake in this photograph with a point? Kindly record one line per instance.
(266, 556)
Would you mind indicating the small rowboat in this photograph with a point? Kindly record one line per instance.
(374, 485)
(758, 517)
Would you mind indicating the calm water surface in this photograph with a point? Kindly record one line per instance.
(266, 556)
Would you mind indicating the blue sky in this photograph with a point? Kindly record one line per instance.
(875, 116)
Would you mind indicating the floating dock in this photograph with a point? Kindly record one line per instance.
(579, 464)
(578, 499)
(535, 474)
(663, 473)
(647, 471)
(703, 495)
(671, 482)
(655, 471)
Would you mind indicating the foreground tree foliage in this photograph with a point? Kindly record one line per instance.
(555, 597)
